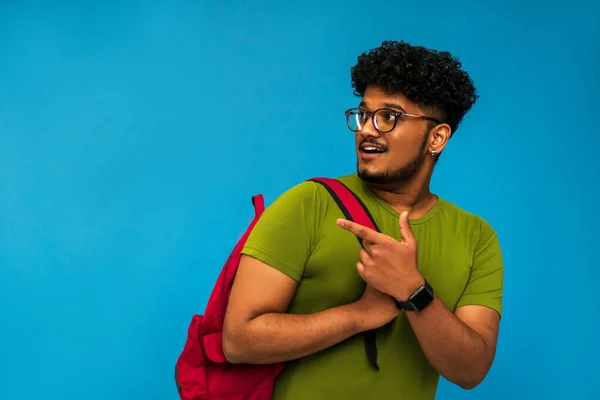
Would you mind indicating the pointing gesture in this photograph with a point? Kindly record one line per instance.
(373, 236)
(385, 263)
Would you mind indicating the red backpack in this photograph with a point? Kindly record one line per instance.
(202, 372)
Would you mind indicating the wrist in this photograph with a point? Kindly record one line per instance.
(363, 316)
(419, 299)
(409, 287)
(357, 317)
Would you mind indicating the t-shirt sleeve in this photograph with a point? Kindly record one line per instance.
(283, 236)
(485, 284)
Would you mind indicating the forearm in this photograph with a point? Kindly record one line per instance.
(456, 351)
(271, 338)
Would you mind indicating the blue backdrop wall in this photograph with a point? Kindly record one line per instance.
(133, 135)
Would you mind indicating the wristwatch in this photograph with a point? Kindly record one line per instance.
(418, 300)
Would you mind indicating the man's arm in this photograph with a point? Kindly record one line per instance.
(257, 330)
(460, 346)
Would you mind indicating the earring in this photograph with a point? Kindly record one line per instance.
(433, 152)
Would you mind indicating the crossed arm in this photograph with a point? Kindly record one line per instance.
(461, 346)
(257, 329)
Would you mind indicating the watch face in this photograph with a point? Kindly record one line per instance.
(422, 297)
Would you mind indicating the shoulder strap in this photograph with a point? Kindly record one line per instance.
(209, 332)
(352, 207)
(231, 265)
(217, 302)
(354, 210)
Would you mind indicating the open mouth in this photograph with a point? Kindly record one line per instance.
(370, 150)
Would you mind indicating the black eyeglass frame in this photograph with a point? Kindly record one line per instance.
(396, 113)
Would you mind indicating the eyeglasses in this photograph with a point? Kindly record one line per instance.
(384, 119)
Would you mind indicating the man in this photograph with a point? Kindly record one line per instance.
(306, 290)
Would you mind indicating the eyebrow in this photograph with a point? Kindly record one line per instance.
(394, 105)
(387, 105)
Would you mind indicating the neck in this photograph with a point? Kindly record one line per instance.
(413, 196)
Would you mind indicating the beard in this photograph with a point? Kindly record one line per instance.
(399, 175)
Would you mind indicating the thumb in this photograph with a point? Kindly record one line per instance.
(405, 229)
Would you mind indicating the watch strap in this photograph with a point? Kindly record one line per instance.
(418, 300)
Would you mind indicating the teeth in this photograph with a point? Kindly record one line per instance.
(370, 148)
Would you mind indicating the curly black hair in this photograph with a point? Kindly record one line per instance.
(430, 78)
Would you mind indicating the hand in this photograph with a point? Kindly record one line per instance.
(375, 309)
(388, 265)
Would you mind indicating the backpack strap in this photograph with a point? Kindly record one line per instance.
(211, 333)
(352, 207)
(231, 266)
(354, 210)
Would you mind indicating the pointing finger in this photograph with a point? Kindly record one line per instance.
(361, 231)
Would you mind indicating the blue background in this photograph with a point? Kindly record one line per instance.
(133, 135)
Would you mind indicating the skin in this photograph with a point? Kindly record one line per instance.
(460, 345)
(407, 186)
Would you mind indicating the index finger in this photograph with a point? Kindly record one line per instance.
(361, 231)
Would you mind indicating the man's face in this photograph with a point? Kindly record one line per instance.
(402, 151)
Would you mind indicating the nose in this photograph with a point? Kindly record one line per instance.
(368, 128)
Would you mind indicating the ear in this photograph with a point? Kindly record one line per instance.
(439, 138)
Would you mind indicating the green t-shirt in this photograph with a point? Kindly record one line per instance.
(459, 254)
